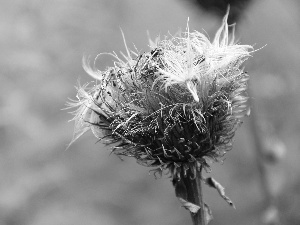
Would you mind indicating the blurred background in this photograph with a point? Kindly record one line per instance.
(42, 183)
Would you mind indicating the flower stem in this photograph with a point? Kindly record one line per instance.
(195, 195)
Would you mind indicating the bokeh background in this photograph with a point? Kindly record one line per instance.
(42, 183)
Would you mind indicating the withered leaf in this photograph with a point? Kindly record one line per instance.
(189, 206)
(208, 213)
(211, 182)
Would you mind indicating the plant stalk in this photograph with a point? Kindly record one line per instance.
(195, 195)
(259, 150)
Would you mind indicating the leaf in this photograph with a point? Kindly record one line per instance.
(189, 206)
(211, 182)
(208, 213)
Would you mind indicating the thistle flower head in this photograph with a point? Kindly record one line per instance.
(172, 107)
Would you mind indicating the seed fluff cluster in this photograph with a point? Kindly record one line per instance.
(172, 108)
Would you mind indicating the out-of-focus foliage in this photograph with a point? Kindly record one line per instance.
(42, 43)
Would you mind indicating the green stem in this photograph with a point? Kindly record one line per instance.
(195, 195)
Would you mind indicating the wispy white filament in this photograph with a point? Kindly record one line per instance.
(192, 59)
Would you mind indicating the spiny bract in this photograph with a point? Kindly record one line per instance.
(172, 107)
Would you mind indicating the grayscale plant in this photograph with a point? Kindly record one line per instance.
(173, 108)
